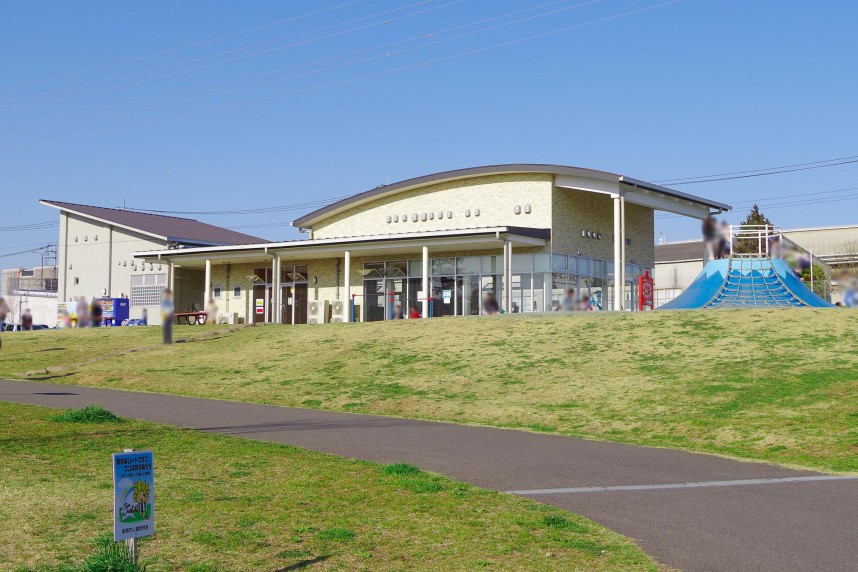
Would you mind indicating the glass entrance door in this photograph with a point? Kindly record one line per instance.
(444, 296)
(295, 298)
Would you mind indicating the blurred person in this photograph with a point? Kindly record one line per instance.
(211, 312)
(568, 302)
(65, 319)
(27, 321)
(848, 285)
(96, 313)
(4, 314)
(168, 309)
(490, 305)
(414, 313)
(144, 318)
(725, 240)
(81, 313)
(776, 246)
(397, 312)
(710, 236)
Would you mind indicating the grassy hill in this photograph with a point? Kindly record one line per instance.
(777, 385)
(224, 503)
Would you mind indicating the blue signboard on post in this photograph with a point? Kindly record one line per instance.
(133, 495)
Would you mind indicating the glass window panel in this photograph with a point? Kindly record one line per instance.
(541, 292)
(522, 262)
(542, 263)
(573, 265)
(443, 266)
(558, 262)
(583, 266)
(492, 264)
(597, 297)
(558, 292)
(522, 296)
(468, 265)
(415, 268)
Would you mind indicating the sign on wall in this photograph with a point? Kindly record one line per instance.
(260, 305)
(133, 495)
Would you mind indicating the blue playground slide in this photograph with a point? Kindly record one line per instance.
(747, 282)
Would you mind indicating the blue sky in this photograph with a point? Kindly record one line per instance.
(212, 105)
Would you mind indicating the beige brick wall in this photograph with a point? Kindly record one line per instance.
(495, 196)
(574, 211)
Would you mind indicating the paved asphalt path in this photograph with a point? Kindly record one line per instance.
(689, 511)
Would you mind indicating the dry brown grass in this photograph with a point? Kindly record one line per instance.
(779, 385)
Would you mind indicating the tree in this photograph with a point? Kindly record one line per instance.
(748, 245)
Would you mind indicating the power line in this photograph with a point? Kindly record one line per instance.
(261, 210)
(387, 72)
(763, 201)
(31, 226)
(334, 67)
(185, 47)
(430, 34)
(238, 58)
(761, 172)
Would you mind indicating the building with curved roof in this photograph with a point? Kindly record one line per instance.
(439, 244)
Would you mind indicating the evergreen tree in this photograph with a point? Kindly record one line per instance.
(754, 218)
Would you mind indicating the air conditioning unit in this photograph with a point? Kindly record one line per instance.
(338, 311)
(317, 312)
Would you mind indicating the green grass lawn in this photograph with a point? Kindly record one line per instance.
(776, 385)
(224, 503)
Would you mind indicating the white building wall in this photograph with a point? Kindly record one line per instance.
(95, 259)
(453, 205)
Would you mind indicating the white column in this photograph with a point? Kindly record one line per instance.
(347, 286)
(546, 292)
(623, 243)
(171, 277)
(275, 284)
(506, 293)
(425, 283)
(618, 255)
(208, 285)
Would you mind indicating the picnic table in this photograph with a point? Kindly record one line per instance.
(191, 318)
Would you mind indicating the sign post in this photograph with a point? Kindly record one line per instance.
(645, 291)
(133, 497)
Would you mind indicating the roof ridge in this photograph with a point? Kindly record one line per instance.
(126, 210)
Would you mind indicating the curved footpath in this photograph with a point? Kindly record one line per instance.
(690, 511)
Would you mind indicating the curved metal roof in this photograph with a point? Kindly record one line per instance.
(384, 190)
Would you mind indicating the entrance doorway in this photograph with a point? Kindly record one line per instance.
(295, 298)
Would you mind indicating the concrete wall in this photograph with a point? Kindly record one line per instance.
(495, 196)
(669, 275)
(827, 241)
(574, 211)
(99, 256)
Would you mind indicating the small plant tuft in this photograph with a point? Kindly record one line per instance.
(336, 534)
(109, 556)
(562, 523)
(88, 414)
(400, 469)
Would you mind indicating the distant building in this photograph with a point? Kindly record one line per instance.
(439, 244)
(33, 289)
(95, 254)
(677, 264)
